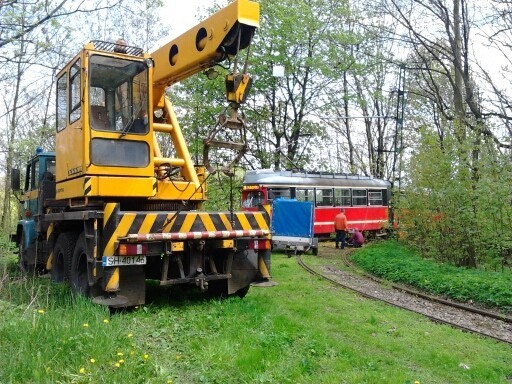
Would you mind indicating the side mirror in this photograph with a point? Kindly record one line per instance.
(15, 180)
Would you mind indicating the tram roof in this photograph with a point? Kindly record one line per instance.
(312, 179)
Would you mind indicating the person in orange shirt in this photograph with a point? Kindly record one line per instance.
(341, 226)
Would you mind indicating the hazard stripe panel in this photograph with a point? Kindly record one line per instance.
(50, 239)
(87, 186)
(185, 225)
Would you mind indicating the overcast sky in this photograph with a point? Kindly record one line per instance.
(183, 14)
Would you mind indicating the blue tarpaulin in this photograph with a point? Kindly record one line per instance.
(292, 218)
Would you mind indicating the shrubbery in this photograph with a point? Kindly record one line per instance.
(455, 207)
(395, 262)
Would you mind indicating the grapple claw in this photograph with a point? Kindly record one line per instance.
(229, 138)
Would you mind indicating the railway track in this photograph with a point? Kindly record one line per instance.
(457, 315)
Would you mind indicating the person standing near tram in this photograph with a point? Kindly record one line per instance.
(341, 226)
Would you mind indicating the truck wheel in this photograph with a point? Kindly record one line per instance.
(79, 277)
(62, 253)
(25, 267)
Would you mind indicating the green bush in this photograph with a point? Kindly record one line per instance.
(395, 262)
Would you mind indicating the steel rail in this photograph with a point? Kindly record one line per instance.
(439, 300)
(364, 294)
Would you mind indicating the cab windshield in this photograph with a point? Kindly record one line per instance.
(253, 199)
(118, 102)
(118, 95)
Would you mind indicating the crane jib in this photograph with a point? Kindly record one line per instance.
(207, 43)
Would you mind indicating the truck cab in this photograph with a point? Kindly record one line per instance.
(39, 185)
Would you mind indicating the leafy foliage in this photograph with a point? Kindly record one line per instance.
(454, 212)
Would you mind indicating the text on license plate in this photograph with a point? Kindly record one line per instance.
(111, 261)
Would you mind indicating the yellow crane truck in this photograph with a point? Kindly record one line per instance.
(107, 210)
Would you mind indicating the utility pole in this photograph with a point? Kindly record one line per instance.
(398, 139)
(396, 174)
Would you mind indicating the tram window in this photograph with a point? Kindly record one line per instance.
(304, 194)
(375, 197)
(324, 197)
(253, 199)
(385, 196)
(359, 197)
(274, 193)
(342, 197)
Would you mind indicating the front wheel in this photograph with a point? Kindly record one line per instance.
(26, 267)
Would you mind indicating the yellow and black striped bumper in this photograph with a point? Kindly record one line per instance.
(185, 225)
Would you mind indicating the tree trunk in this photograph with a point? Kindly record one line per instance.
(352, 165)
(5, 221)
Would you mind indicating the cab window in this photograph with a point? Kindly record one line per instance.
(118, 95)
(62, 102)
(75, 109)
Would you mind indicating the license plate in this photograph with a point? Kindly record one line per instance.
(114, 261)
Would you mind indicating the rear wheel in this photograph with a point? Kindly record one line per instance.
(62, 254)
(79, 276)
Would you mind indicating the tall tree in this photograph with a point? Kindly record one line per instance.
(37, 38)
(39, 14)
(287, 108)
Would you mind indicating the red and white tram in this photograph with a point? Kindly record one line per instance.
(365, 199)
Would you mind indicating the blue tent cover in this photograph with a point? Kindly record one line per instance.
(292, 218)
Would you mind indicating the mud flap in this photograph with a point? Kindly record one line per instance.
(132, 289)
(243, 271)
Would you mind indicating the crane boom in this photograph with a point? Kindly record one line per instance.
(208, 43)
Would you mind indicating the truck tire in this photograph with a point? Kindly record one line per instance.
(62, 253)
(26, 267)
(79, 276)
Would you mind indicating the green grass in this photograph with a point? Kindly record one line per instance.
(304, 330)
(395, 262)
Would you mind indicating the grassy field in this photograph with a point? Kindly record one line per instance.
(303, 330)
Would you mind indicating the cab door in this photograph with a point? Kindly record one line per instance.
(69, 139)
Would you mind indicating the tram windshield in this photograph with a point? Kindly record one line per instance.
(253, 199)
